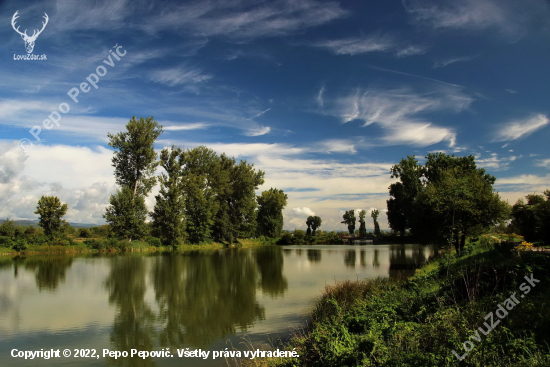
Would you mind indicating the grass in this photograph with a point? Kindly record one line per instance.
(79, 245)
(419, 321)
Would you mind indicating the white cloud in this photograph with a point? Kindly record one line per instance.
(258, 131)
(180, 76)
(452, 60)
(337, 146)
(189, 126)
(303, 211)
(398, 113)
(354, 46)
(372, 43)
(502, 15)
(543, 163)
(521, 128)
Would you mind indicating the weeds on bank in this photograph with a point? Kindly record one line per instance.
(419, 321)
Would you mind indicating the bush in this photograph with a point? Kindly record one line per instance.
(8, 228)
(6, 241)
(154, 241)
(20, 245)
(84, 233)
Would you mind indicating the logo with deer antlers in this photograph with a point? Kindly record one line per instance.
(29, 41)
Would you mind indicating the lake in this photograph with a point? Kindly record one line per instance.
(204, 299)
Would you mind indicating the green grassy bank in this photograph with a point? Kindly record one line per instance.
(96, 245)
(419, 321)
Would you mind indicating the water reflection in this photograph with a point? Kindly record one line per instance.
(195, 299)
(313, 255)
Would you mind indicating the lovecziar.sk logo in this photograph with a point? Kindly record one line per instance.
(29, 40)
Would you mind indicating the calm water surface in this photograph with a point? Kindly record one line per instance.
(194, 300)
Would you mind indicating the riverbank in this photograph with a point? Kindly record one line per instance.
(451, 304)
(103, 246)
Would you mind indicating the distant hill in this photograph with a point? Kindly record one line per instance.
(25, 222)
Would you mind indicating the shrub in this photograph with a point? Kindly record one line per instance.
(6, 241)
(20, 245)
(84, 233)
(154, 241)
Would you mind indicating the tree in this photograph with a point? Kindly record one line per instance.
(236, 217)
(50, 211)
(135, 164)
(458, 204)
(126, 214)
(270, 212)
(135, 160)
(349, 220)
(445, 200)
(169, 213)
(314, 222)
(362, 226)
(374, 214)
(404, 193)
(532, 219)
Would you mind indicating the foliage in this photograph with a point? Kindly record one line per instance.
(362, 225)
(50, 211)
(270, 212)
(532, 219)
(445, 200)
(375, 214)
(418, 322)
(313, 222)
(84, 233)
(168, 214)
(349, 220)
(126, 214)
(134, 162)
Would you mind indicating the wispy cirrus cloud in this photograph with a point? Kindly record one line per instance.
(476, 15)
(180, 76)
(452, 60)
(371, 43)
(521, 128)
(398, 112)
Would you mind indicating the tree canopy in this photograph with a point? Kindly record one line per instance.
(313, 222)
(50, 211)
(349, 220)
(270, 212)
(532, 218)
(444, 200)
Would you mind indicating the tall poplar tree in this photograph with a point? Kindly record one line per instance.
(169, 214)
(135, 162)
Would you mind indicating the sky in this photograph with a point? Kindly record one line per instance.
(324, 96)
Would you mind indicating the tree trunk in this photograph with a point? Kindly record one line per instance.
(462, 241)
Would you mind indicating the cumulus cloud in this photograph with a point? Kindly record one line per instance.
(303, 211)
(521, 128)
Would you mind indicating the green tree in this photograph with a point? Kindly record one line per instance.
(404, 193)
(236, 216)
(135, 163)
(270, 212)
(50, 211)
(8, 228)
(460, 203)
(374, 214)
(314, 222)
(362, 226)
(126, 214)
(169, 212)
(349, 220)
(199, 200)
(135, 160)
(532, 218)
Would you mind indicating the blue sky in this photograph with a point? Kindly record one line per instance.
(322, 95)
